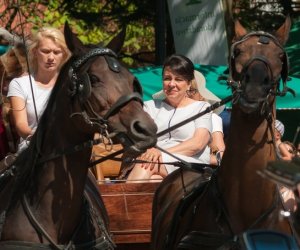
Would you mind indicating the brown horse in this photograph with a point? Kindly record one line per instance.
(214, 213)
(52, 202)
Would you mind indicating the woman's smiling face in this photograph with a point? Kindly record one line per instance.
(174, 85)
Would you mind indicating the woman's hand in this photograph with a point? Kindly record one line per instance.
(153, 156)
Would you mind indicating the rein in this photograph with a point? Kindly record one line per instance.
(42, 231)
(175, 126)
(102, 242)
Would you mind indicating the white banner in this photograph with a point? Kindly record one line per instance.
(199, 30)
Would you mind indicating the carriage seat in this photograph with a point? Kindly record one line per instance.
(109, 168)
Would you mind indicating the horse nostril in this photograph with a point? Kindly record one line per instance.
(266, 81)
(139, 128)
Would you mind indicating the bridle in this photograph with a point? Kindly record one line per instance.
(235, 80)
(81, 85)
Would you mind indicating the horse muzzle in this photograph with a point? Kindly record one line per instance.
(248, 106)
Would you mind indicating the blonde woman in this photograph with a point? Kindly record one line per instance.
(47, 53)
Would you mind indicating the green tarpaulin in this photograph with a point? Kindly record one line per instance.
(288, 107)
(151, 80)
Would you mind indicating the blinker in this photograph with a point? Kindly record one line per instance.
(264, 39)
(113, 64)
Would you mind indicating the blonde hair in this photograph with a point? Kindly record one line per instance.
(47, 32)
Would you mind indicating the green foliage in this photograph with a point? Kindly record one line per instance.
(94, 21)
(261, 15)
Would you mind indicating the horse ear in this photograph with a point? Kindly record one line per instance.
(73, 43)
(239, 29)
(283, 31)
(117, 42)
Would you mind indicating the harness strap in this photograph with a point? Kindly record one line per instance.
(2, 221)
(101, 224)
(99, 244)
(121, 102)
(40, 230)
(199, 239)
(77, 148)
(38, 227)
(218, 198)
(107, 157)
(180, 209)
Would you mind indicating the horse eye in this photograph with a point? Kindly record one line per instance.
(236, 52)
(282, 56)
(94, 79)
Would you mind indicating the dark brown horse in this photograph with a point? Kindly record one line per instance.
(52, 202)
(214, 213)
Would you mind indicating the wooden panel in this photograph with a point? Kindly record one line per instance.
(129, 206)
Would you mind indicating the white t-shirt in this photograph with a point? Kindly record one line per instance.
(21, 87)
(166, 116)
(217, 123)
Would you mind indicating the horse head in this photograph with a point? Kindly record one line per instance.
(107, 96)
(258, 62)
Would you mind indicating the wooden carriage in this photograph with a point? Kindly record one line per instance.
(129, 204)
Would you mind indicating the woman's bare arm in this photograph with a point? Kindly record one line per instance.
(20, 116)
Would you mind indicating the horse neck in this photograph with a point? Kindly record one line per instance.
(249, 148)
(250, 137)
(62, 180)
